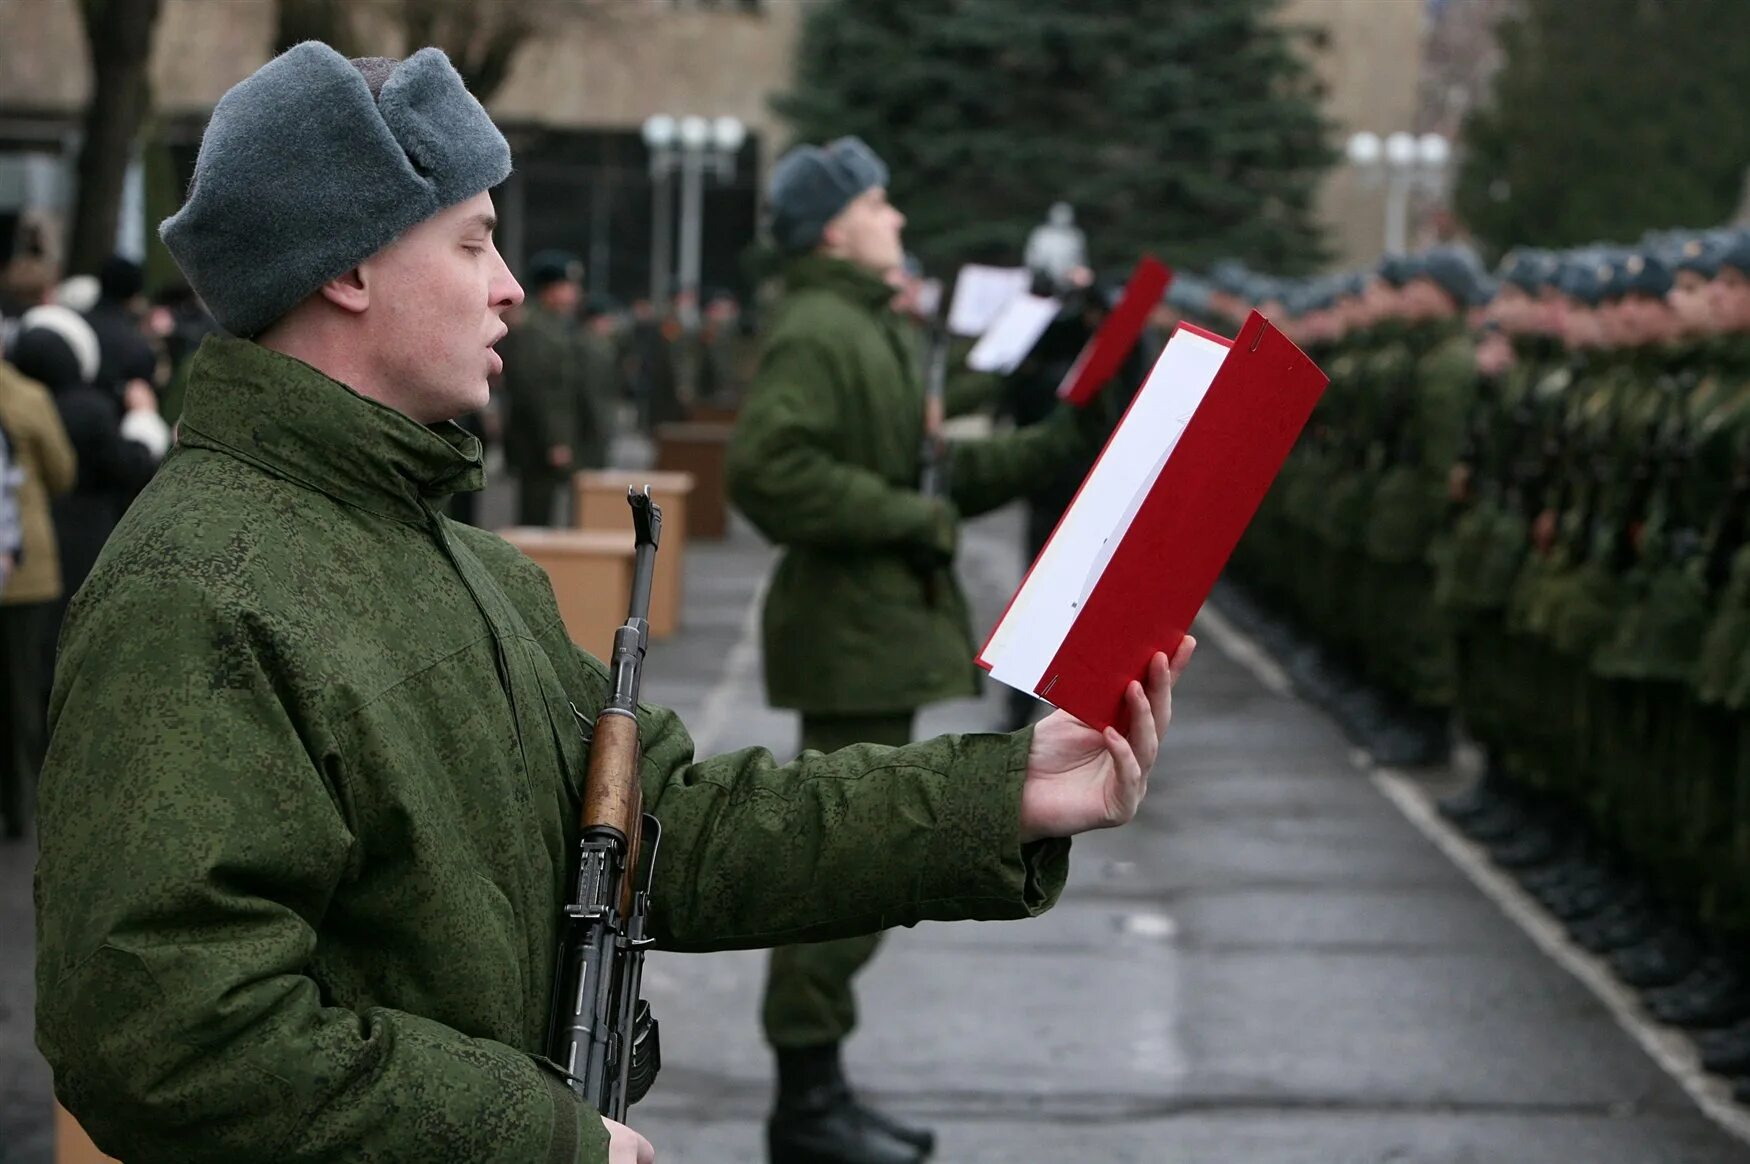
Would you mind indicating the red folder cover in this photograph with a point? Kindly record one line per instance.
(1148, 570)
(1108, 348)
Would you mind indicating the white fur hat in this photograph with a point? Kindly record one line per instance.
(70, 326)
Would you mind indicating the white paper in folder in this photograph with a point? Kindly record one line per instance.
(1012, 335)
(980, 294)
(1076, 555)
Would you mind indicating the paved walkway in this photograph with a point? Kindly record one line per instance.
(1272, 966)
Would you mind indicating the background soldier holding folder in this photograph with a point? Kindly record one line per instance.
(316, 761)
(865, 621)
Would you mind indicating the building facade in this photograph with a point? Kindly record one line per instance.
(1368, 55)
(573, 104)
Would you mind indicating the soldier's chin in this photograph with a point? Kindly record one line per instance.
(474, 398)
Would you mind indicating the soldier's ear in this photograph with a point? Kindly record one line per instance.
(349, 292)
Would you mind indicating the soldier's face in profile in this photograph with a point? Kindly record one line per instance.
(1645, 319)
(1580, 326)
(1729, 299)
(436, 301)
(1380, 299)
(1546, 317)
(1422, 298)
(867, 232)
(1691, 304)
(1507, 310)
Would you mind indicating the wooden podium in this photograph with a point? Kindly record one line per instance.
(713, 413)
(600, 505)
(72, 1145)
(592, 578)
(700, 450)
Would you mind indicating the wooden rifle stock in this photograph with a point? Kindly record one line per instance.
(601, 1033)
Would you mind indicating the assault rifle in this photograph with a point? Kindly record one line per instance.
(601, 1033)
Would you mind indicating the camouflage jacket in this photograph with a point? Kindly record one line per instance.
(545, 398)
(312, 792)
(864, 613)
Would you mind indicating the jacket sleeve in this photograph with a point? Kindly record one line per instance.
(992, 472)
(785, 477)
(755, 853)
(967, 392)
(192, 834)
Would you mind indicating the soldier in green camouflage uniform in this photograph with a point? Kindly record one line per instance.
(1423, 409)
(865, 621)
(311, 805)
(1490, 487)
(543, 386)
(1590, 565)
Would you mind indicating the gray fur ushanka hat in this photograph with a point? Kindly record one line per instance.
(811, 184)
(307, 169)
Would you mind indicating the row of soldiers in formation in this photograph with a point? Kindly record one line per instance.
(1524, 500)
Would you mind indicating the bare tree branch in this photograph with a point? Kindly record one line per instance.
(118, 34)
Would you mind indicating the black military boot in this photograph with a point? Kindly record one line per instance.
(1473, 803)
(1714, 996)
(1414, 737)
(1587, 892)
(1499, 823)
(1555, 879)
(1664, 958)
(1726, 1052)
(818, 1120)
(1529, 848)
(1626, 923)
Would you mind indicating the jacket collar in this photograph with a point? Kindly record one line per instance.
(285, 417)
(864, 288)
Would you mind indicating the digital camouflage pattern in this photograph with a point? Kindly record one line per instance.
(313, 790)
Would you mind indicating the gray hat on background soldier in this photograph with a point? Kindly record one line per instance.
(811, 184)
(1528, 268)
(1456, 270)
(553, 266)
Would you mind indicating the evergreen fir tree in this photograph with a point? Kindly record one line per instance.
(1185, 127)
(1609, 118)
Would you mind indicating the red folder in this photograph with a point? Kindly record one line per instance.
(1106, 351)
(1134, 557)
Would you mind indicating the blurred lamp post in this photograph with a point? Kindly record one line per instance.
(1405, 163)
(690, 144)
(660, 133)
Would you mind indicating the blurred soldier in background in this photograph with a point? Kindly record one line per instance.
(1528, 500)
(716, 379)
(603, 381)
(865, 621)
(543, 386)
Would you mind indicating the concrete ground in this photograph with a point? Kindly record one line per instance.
(1271, 966)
